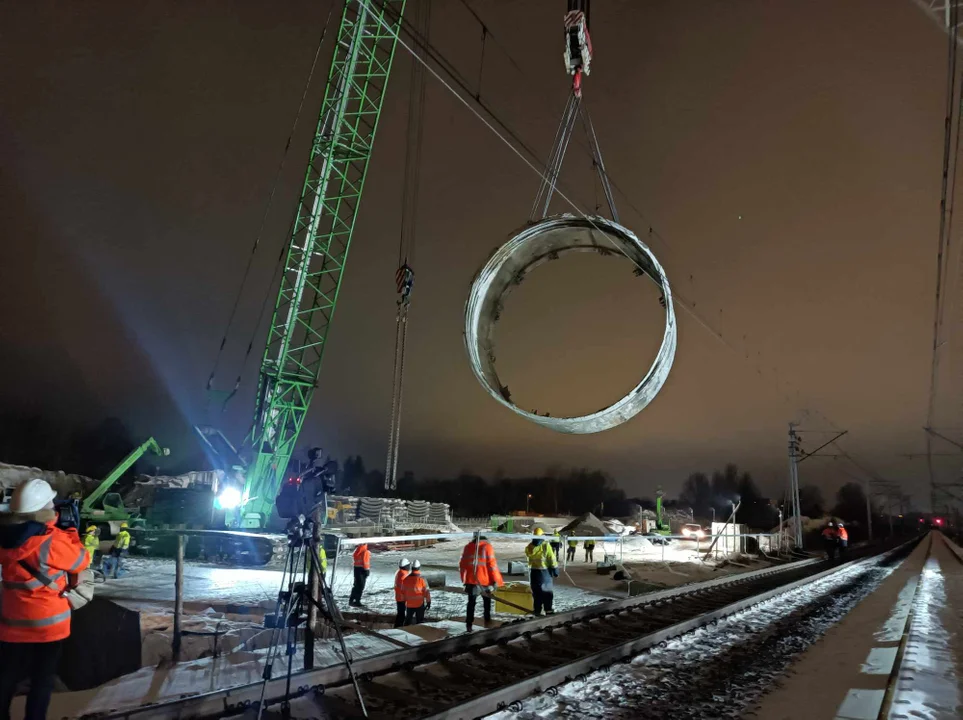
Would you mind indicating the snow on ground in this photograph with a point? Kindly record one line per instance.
(928, 685)
(838, 661)
(713, 672)
(152, 579)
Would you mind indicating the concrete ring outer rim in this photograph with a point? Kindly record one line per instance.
(522, 252)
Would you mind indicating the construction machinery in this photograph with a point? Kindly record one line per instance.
(106, 509)
(661, 524)
(314, 261)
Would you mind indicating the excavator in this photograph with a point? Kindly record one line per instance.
(105, 508)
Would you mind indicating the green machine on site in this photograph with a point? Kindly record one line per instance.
(105, 508)
(661, 526)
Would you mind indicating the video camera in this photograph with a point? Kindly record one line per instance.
(68, 514)
(301, 494)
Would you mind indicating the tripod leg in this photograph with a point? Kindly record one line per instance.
(336, 622)
(282, 614)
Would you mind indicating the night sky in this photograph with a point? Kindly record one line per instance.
(787, 154)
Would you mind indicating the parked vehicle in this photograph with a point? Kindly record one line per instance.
(693, 531)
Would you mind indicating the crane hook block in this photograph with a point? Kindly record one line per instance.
(405, 280)
(578, 44)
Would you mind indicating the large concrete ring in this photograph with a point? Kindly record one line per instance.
(507, 267)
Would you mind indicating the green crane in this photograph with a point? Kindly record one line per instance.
(318, 249)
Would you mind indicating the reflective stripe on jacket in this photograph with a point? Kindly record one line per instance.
(416, 590)
(541, 556)
(32, 609)
(485, 571)
(362, 557)
(122, 541)
(399, 584)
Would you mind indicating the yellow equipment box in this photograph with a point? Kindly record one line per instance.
(518, 594)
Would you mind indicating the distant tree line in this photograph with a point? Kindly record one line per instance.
(715, 495)
(558, 492)
(94, 450)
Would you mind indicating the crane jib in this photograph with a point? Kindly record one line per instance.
(321, 235)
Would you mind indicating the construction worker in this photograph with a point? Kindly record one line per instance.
(362, 569)
(830, 539)
(542, 567)
(842, 538)
(557, 543)
(589, 546)
(404, 569)
(322, 558)
(92, 542)
(36, 558)
(118, 551)
(479, 573)
(417, 595)
(570, 551)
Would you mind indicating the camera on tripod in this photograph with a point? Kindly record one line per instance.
(301, 494)
(68, 514)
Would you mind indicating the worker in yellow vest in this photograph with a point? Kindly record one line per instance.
(118, 552)
(570, 551)
(92, 542)
(542, 567)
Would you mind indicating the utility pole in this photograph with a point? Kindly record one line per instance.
(794, 483)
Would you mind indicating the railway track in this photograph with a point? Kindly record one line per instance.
(472, 675)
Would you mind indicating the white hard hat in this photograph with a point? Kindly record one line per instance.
(404, 562)
(31, 496)
(416, 565)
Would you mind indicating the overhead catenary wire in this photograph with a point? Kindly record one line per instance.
(947, 188)
(531, 160)
(267, 210)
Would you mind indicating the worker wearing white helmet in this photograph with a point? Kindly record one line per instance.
(37, 558)
(417, 595)
(404, 567)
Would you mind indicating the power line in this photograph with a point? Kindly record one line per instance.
(532, 160)
(950, 149)
(267, 210)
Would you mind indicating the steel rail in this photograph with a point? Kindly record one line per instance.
(600, 633)
(508, 696)
(227, 701)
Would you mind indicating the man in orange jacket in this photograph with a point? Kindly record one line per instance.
(362, 569)
(37, 558)
(404, 569)
(479, 573)
(417, 595)
(842, 538)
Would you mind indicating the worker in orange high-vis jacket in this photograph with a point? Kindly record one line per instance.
(37, 557)
(479, 573)
(362, 569)
(417, 595)
(842, 538)
(404, 569)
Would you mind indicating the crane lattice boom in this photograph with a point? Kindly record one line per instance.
(320, 239)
